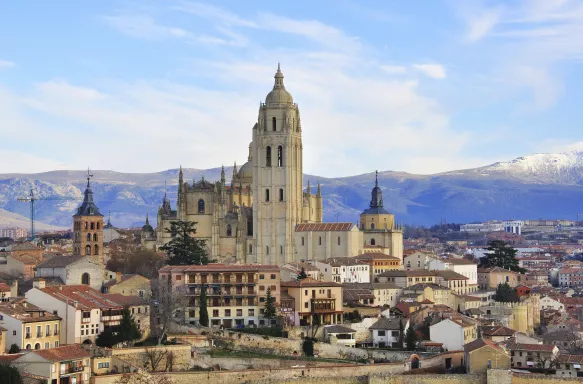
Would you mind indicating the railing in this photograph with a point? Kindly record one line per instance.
(72, 369)
(28, 336)
(86, 320)
(39, 334)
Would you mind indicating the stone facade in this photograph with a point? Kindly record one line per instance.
(88, 228)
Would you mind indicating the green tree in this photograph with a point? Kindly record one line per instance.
(270, 312)
(106, 339)
(302, 275)
(501, 255)
(410, 339)
(14, 349)
(505, 293)
(128, 330)
(401, 333)
(9, 374)
(203, 318)
(184, 249)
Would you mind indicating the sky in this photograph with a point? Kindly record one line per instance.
(415, 86)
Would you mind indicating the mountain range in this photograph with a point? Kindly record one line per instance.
(530, 187)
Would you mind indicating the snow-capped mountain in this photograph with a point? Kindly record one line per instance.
(540, 185)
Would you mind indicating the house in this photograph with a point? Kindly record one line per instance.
(492, 276)
(373, 294)
(452, 280)
(346, 269)
(531, 355)
(128, 285)
(547, 302)
(85, 311)
(338, 334)
(566, 340)
(387, 332)
(315, 298)
(290, 271)
(236, 293)
(436, 294)
(28, 326)
(405, 279)
(73, 270)
(466, 302)
(67, 364)
(496, 333)
(418, 260)
(483, 354)
(523, 290)
(569, 365)
(379, 262)
(139, 308)
(21, 265)
(454, 333)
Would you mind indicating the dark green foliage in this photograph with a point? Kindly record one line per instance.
(106, 339)
(410, 339)
(308, 346)
(270, 312)
(302, 275)
(128, 329)
(184, 249)
(353, 317)
(501, 255)
(265, 331)
(9, 374)
(14, 349)
(505, 293)
(204, 314)
(401, 333)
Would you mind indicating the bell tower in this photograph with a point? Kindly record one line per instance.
(277, 177)
(88, 227)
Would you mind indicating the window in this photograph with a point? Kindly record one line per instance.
(87, 250)
(274, 124)
(381, 333)
(267, 250)
(371, 225)
(201, 206)
(97, 225)
(251, 312)
(250, 248)
(85, 279)
(338, 240)
(306, 304)
(268, 156)
(96, 250)
(267, 195)
(281, 249)
(372, 242)
(13, 333)
(48, 330)
(95, 237)
(261, 277)
(37, 346)
(229, 230)
(302, 241)
(239, 312)
(88, 237)
(28, 346)
(280, 194)
(320, 240)
(215, 313)
(273, 277)
(39, 331)
(227, 312)
(56, 344)
(86, 225)
(279, 156)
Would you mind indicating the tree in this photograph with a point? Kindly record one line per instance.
(184, 249)
(9, 374)
(128, 330)
(166, 303)
(203, 318)
(401, 333)
(270, 311)
(106, 339)
(302, 275)
(155, 357)
(14, 349)
(410, 339)
(143, 378)
(501, 255)
(505, 294)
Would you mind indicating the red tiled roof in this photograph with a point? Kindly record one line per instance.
(479, 343)
(63, 353)
(531, 347)
(308, 282)
(220, 268)
(565, 359)
(125, 300)
(375, 256)
(4, 287)
(85, 296)
(324, 227)
(498, 330)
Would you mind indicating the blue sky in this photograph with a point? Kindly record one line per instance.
(416, 86)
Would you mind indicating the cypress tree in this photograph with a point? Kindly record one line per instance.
(204, 314)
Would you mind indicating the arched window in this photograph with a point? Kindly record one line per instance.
(201, 206)
(281, 194)
(371, 225)
(86, 225)
(274, 124)
(250, 248)
(97, 225)
(85, 279)
(88, 237)
(229, 230)
(279, 156)
(88, 250)
(268, 156)
(92, 225)
(28, 346)
(267, 195)
(373, 242)
(95, 237)
(96, 250)
(37, 346)
(267, 250)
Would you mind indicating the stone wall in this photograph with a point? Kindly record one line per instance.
(139, 356)
(240, 363)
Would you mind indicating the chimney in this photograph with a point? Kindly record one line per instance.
(118, 277)
(39, 283)
(60, 287)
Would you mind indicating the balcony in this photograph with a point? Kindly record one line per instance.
(323, 305)
(39, 335)
(28, 336)
(110, 318)
(86, 320)
(70, 369)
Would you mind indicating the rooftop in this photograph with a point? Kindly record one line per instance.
(411, 273)
(497, 330)
(63, 353)
(309, 282)
(338, 329)
(375, 256)
(25, 312)
(391, 324)
(83, 296)
(450, 275)
(479, 343)
(324, 227)
(344, 261)
(59, 261)
(215, 267)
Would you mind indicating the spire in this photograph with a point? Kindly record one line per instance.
(235, 170)
(376, 182)
(147, 220)
(88, 207)
(376, 194)
(180, 176)
(309, 189)
(319, 191)
(278, 79)
(223, 175)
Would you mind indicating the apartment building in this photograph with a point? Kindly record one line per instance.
(407, 278)
(235, 293)
(14, 233)
(28, 326)
(315, 298)
(67, 364)
(85, 312)
(571, 277)
(453, 280)
(345, 269)
(379, 262)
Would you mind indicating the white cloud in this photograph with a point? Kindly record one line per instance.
(435, 71)
(23, 162)
(394, 69)
(6, 64)
(480, 24)
(144, 27)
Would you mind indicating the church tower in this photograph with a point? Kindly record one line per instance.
(277, 177)
(88, 228)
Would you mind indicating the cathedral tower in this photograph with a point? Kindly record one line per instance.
(88, 227)
(277, 177)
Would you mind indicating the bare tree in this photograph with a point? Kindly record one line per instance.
(155, 357)
(168, 305)
(143, 378)
(547, 362)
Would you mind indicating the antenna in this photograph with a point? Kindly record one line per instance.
(89, 175)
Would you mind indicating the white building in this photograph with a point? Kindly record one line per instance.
(482, 227)
(464, 267)
(338, 334)
(345, 270)
(547, 302)
(387, 332)
(453, 333)
(73, 270)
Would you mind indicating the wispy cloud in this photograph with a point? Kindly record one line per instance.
(6, 64)
(394, 69)
(435, 71)
(480, 24)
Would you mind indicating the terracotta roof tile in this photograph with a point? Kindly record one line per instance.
(220, 268)
(63, 353)
(324, 227)
(308, 282)
(85, 296)
(480, 343)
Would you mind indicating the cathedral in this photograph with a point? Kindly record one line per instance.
(264, 215)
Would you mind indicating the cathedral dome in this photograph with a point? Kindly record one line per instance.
(246, 171)
(279, 95)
